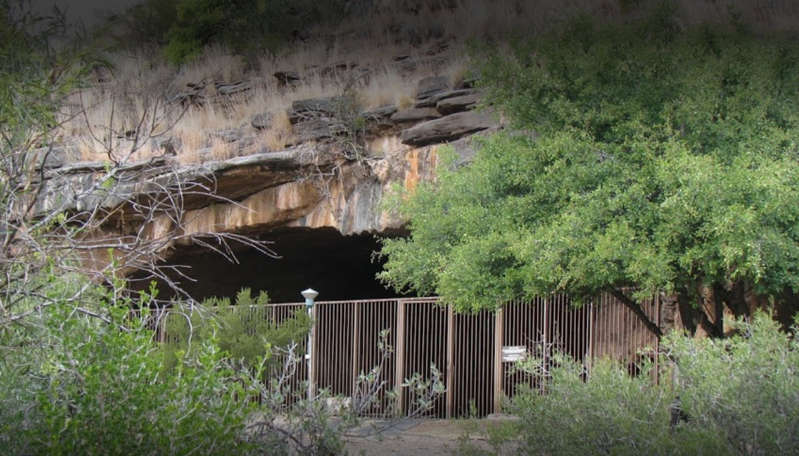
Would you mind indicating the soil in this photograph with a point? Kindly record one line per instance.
(414, 437)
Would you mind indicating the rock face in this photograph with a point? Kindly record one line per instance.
(447, 128)
(311, 184)
(457, 103)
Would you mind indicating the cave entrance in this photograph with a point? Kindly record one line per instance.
(339, 267)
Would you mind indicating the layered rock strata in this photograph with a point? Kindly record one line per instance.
(317, 182)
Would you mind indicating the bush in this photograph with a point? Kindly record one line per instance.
(610, 413)
(738, 395)
(744, 389)
(240, 329)
(79, 385)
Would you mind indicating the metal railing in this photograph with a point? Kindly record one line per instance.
(466, 348)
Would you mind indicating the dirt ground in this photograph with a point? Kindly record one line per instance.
(415, 437)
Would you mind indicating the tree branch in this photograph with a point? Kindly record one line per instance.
(637, 310)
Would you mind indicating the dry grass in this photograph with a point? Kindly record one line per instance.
(118, 106)
(280, 133)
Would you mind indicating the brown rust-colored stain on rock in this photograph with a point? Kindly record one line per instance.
(422, 163)
(412, 176)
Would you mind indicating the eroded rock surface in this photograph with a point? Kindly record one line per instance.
(447, 128)
(315, 183)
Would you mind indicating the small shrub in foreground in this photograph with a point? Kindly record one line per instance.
(737, 395)
(83, 386)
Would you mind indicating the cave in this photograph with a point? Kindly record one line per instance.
(339, 267)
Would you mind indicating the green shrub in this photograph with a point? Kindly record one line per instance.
(744, 389)
(84, 386)
(610, 413)
(243, 25)
(738, 395)
(241, 328)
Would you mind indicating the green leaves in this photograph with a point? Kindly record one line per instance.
(241, 329)
(75, 384)
(244, 25)
(664, 161)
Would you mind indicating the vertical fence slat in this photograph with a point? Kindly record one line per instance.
(356, 344)
(450, 371)
(400, 355)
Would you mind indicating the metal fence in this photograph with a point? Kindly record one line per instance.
(474, 352)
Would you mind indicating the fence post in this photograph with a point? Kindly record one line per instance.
(498, 327)
(356, 344)
(400, 356)
(450, 359)
(309, 295)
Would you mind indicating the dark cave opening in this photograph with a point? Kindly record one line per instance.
(339, 267)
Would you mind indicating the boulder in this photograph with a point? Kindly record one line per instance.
(431, 101)
(447, 128)
(231, 88)
(317, 129)
(415, 115)
(431, 85)
(227, 135)
(457, 104)
(337, 68)
(468, 82)
(54, 157)
(381, 113)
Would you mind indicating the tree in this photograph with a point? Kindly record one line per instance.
(659, 159)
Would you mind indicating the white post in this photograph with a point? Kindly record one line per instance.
(309, 295)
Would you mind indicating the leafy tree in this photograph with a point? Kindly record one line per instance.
(658, 159)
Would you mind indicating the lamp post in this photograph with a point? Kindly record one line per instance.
(310, 294)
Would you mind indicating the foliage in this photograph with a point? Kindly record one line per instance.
(74, 384)
(146, 23)
(730, 396)
(744, 389)
(645, 155)
(610, 413)
(240, 328)
(34, 82)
